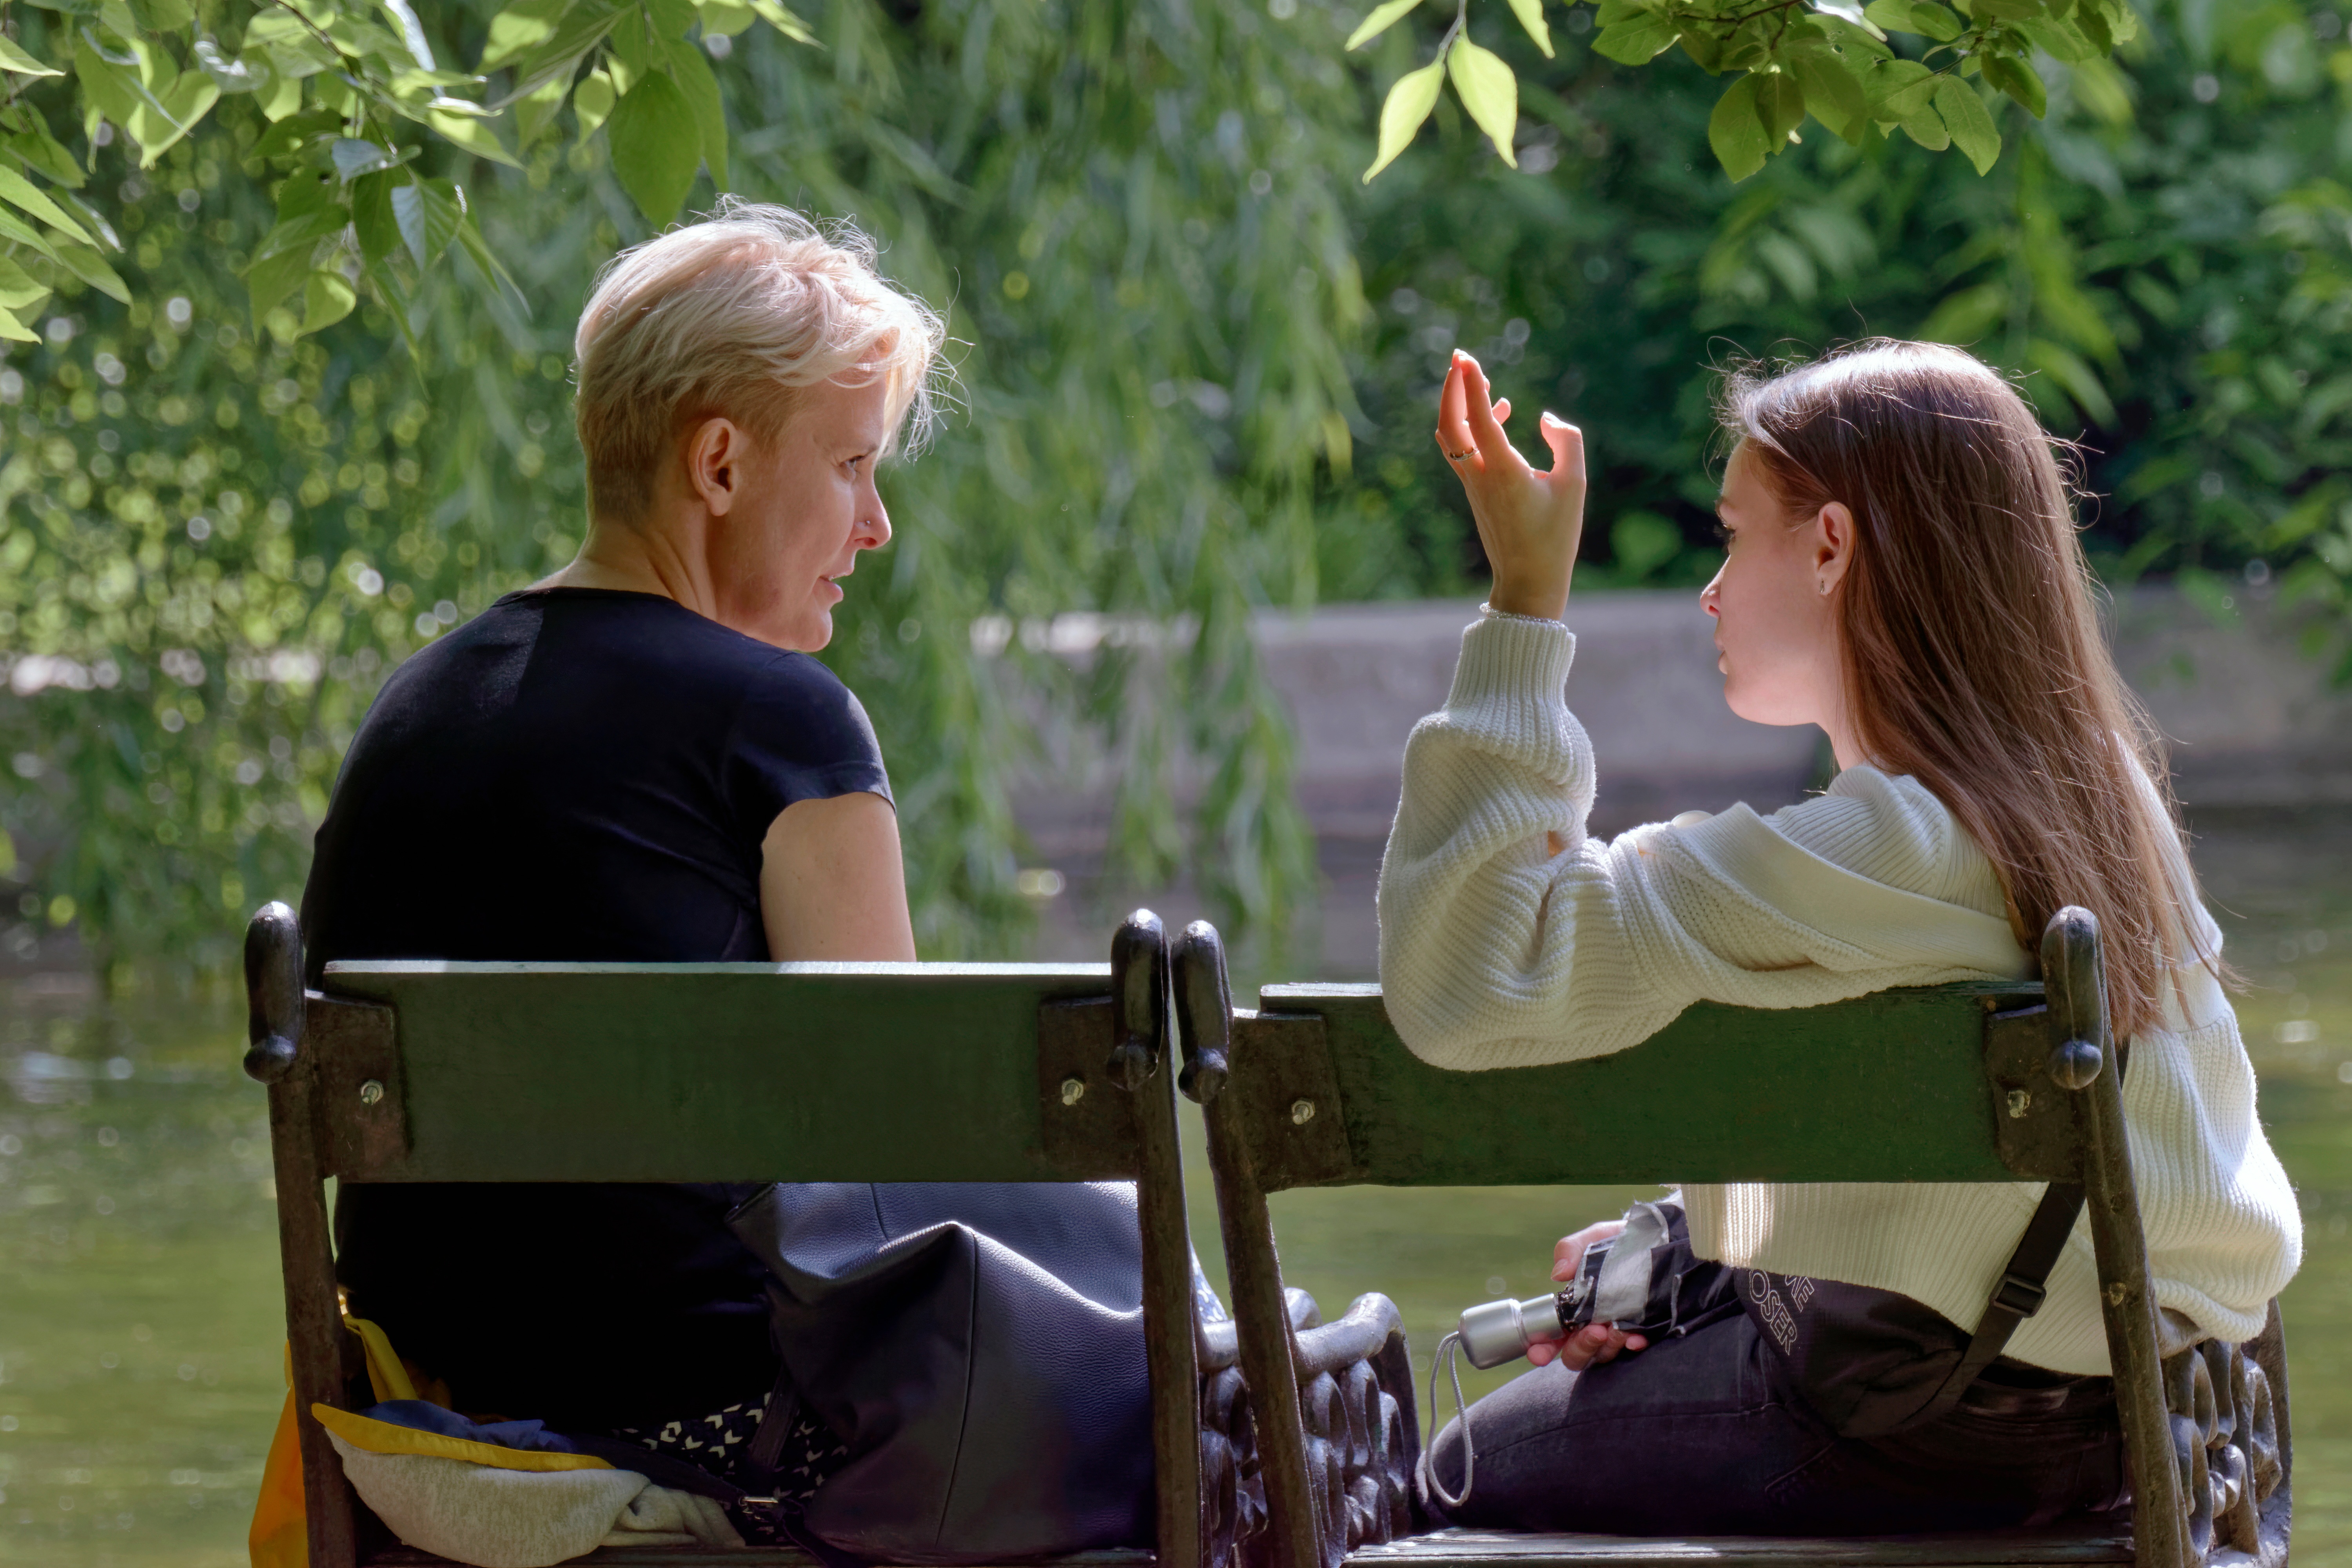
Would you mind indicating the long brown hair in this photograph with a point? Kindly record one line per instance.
(1974, 659)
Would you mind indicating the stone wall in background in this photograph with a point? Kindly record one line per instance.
(2252, 719)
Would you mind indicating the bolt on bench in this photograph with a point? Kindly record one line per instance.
(1956, 1083)
(416, 1072)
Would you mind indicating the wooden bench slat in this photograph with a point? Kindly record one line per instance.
(722, 1072)
(1887, 1088)
(749, 1557)
(1463, 1548)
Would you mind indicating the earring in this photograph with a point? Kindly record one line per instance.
(1824, 585)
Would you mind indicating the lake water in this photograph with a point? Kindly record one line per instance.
(140, 1323)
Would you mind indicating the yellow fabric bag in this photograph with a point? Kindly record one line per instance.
(280, 1534)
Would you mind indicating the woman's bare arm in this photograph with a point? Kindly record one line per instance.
(832, 883)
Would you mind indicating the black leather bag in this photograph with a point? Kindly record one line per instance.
(978, 1346)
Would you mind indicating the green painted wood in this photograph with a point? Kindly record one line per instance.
(749, 1557)
(1887, 1088)
(741, 1072)
(2066, 1545)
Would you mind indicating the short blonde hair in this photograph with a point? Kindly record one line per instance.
(736, 316)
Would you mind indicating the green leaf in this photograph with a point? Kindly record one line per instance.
(1488, 90)
(1964, 318)
(286, 137)
(1531, 17)
(521, 28)
(279, 97)
(2061, 40)
(108, 89)
(302, 231)
(724, 18)
(353, 157)
(784, 21)
(15, 60)
(167, 115)
(1927, 126)
(1636, 42)
(591, 101)
(536, 112)
(1833, 92)
(20, 192)
(1852, 14)
(1736, 130)
(268, 282)
(373, 223)
(18, 231)
(1379, 20)
(2075, 377)
(1897, 88)
(1972, 128)
(587, 24)
(1780, 102)
(412, 33)
(85, 263)
(19, 290)
(228, 75)
(470, 239)
(327, 297)
(161, 15)
(16, 331)
(41, 150)
(656, 145)
(1706, 50)
(1922, 16)
(691, 70)
(472, 134)
(2018, 80)
(1409, 102)
(427, 213)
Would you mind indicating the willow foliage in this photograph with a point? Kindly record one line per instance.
(218, 539)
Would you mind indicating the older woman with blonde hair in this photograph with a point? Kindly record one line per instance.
(639, 758)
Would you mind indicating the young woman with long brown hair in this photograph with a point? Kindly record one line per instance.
(1902, 570)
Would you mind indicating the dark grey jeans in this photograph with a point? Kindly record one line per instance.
(1703, 1436)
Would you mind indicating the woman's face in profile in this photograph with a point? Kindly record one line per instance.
(1775, 629)
(808, 507)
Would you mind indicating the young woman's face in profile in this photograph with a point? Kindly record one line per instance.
(809, 508)
(1774, 625)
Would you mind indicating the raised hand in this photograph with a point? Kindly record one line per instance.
(1529, 521)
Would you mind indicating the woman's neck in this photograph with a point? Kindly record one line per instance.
(629, 559)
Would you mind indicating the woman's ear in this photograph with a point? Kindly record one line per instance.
(714, 463)
(1834, 540)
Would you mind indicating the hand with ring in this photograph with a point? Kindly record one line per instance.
(1529, 521)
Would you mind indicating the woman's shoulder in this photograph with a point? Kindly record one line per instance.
(1886, 827)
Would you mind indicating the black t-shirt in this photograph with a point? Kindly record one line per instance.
(588, 775)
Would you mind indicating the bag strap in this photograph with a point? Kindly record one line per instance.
(765, 1453)
(2016, 1298)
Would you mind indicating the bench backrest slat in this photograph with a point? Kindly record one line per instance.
(727, 1072)
(1887, 1088)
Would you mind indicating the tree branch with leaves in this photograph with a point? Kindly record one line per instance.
(1859, 72)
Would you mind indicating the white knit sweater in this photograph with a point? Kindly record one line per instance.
(1509, 938)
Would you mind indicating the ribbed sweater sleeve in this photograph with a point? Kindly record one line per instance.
(1509, 937)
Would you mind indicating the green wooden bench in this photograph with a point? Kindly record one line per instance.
(898, 1072)
(1959, 1083)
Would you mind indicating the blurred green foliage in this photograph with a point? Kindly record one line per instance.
(1145, 222)
(217, 540)
(2162, 261)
